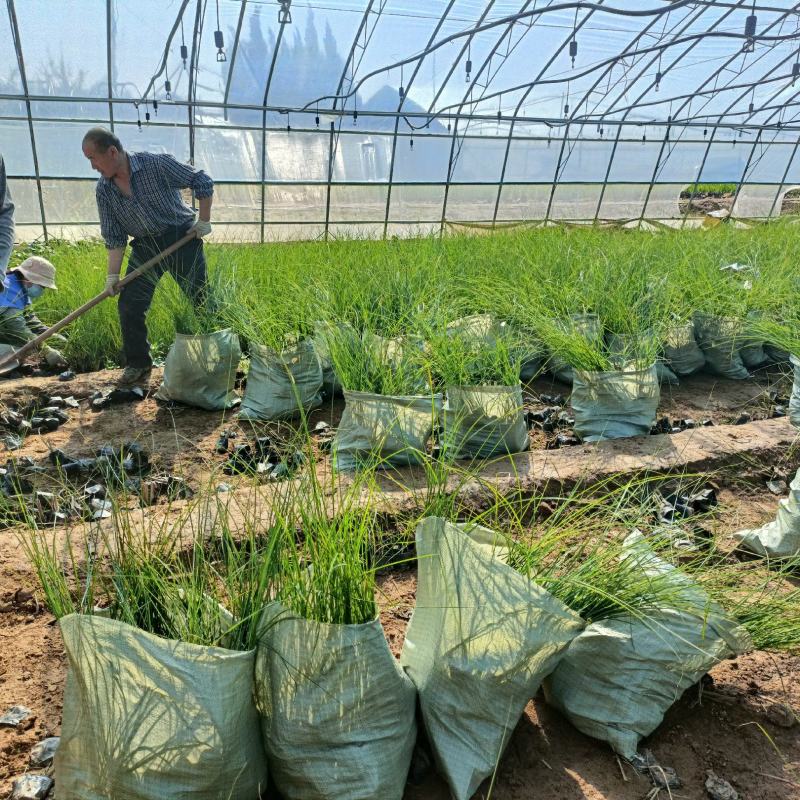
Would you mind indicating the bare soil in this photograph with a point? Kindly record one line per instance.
(728, 728)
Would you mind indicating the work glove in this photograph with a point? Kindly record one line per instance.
(202, 228)
(111, 283)
(53, 358)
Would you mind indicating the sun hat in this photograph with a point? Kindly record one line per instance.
(38, 270)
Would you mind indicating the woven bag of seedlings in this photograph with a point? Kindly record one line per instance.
(484, 421)
(322, 331)
(681, 350)
(337, 712)
(481, 639)
(781, 537)
(720, 339)
(776, 355)
(397, 352)
(148, 718)
(794, 400)
(385, 431)
(621, 346)
(614, 405)
(621, 675)
(281, 385)
(589, 326)
(200, 370)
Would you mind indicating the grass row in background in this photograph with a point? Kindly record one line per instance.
(634, 280)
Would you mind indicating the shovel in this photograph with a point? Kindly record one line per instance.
(10, 361)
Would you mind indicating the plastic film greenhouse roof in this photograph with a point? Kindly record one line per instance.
(387, 117)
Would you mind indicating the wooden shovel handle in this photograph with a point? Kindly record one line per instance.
(18, 355)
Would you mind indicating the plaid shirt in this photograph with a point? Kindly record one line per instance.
(6, 221)
(155, 203)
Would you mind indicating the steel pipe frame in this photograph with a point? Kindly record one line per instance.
(659, 48)
(451, 162)
(524, 97)
(750, 159)
(350, 64)
(694, 121)
(713, 134)
(170, 36)
(639, 97)
(717, 72)
(267, 86)
(12, 18)
(731, 105)
(416, 70)
(585, 98)
(191, 107)
(471, 32)
(109, 76)
(783, 179)
(468, 95)
(234, 52)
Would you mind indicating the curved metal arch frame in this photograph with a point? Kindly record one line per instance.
(514, 117)
(12, 18)
(350, 64)
(267, 87)
(715, 127)
(468, 97)
(633, 106)
(411, 80)
(234, 53)
(684, 25)
(711, 77)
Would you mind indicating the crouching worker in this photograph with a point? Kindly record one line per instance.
(18, 323)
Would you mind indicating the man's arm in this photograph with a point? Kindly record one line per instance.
(6, 221)
(115, 256)
(185, 176)
(204, 212)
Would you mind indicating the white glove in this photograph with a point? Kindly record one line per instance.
(111, 283)
(202, 228)
(53, 358)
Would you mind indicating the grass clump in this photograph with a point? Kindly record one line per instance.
(463, 358)
(374, 364)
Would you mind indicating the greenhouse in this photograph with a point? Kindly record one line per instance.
(399, 401)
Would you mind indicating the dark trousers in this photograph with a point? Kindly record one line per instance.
(187, 265)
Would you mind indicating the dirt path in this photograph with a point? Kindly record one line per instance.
(728, 730)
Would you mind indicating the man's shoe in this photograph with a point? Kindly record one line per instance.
(134, 376)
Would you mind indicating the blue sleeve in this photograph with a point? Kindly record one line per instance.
(112, 232)
(6, 221)
(185, 176)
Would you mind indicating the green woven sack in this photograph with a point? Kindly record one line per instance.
(200, 370)
(147, 718)
(281, 385)
(620, 676)
(337, 711)
(481, 639)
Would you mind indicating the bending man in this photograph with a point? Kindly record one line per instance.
(138, 196)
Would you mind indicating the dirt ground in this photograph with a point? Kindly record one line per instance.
(729, 728)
